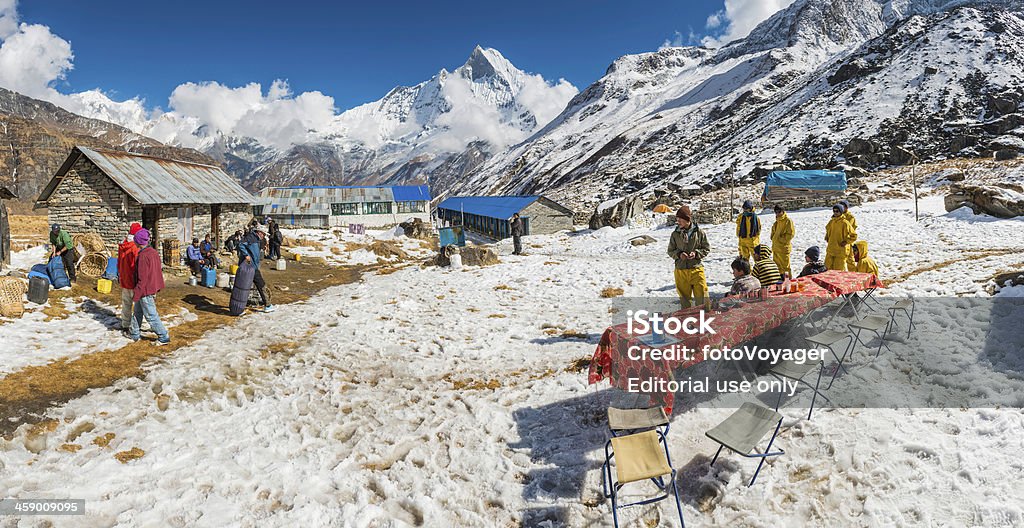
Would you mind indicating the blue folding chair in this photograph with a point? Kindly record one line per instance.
(639, 457)
(742, 431)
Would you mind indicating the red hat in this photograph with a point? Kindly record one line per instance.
(134, 228)
(684, 213)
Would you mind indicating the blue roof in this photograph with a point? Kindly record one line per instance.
(411, 193)
(817, 180)
(500, 207)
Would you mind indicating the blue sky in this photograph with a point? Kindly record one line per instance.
(352, 51)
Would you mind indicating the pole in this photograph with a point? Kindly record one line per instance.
(732, 191)
(913, 176)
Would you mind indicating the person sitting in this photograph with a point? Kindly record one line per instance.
(193, 257)
(865, 264)
(209, 255)
(765, 269)
(745, 283)
(814, 264)
(231, 244)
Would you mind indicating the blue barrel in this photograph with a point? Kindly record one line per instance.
(111, 272)
(209, 277)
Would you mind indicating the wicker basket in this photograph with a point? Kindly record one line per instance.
(11, 297)
(20, 285)
(93, 265)
(92, 242)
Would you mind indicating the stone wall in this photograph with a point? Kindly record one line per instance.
(545, 220)
(233, 217)
(88, 201)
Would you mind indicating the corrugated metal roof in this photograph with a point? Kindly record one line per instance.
(153, 181)
(317, 200)
(500, 207)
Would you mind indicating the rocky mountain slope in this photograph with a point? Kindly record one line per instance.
(36, 136)
(822, 83)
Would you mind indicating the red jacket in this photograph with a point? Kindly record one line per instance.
(127, 253)
(149, 275)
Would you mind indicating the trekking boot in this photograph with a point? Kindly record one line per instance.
(269, 308)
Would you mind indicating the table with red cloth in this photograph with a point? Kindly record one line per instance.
(733, 327)
(846, 282)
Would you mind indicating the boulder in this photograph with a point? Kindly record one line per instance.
(417, 228)
(961, 142)
(930, 70)
(1006, 154)
(993, 201)
(858, 146)
(617, 213)
(478, 256)
(1002, 105)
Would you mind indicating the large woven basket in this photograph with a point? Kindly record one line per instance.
(92, 242)
(93, 265)
(11, 297)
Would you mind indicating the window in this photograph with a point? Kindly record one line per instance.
(345, 208)
(377, 207)
(410, 207)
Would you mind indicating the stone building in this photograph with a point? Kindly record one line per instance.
(490, 215)
(103, 192)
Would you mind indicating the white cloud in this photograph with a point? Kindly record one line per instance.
(32, 59)
(545, 100)
(8, 18)
(739, 17)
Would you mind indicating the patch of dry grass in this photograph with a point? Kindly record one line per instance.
(610, 292)
(127, 456)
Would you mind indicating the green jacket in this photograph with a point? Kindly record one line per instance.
(696, 242)
(61, 240)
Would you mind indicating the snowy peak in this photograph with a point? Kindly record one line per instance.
(481, 64)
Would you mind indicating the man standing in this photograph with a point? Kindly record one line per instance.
(149, 280)
(688, 246)
(517, 234)
(127, 253)
(60, 241)
(839, 234)
(748, 230)
(782, 240)
(249, 251)
(276, 238)
(851, 262)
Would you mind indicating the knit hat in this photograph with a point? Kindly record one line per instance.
(846, 204)
(142, 237)
(813, 253)
(684, 213)
(134, 228)
(840, 206)
(747, 204)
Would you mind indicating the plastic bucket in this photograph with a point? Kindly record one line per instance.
(103, 286)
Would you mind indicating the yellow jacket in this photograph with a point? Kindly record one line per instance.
(865, 264)
(782, 231)
(752, 227)
(839, 234)
(849, 218)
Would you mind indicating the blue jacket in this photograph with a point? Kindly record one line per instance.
(249, 246)
(192, 253)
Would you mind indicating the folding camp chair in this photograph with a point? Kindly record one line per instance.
(877, 324)
(638, 457)
(797, 371)
(635, 420)
(741, 432)
(869, 297)
(828, 339)
(907, 307)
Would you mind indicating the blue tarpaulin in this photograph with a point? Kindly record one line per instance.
(811, 180)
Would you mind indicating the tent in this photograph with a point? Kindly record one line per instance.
(803, 184)
(662, 208)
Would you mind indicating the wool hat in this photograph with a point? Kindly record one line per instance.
(142, 237)
(813, 253)
(846, 204)
(840, 206)
(684, 213)
(747, 204)
(134, 228)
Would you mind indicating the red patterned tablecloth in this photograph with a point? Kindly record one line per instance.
(846, 282)
(732, 328)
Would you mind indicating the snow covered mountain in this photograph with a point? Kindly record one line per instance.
(451, 120)
(819, 84)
